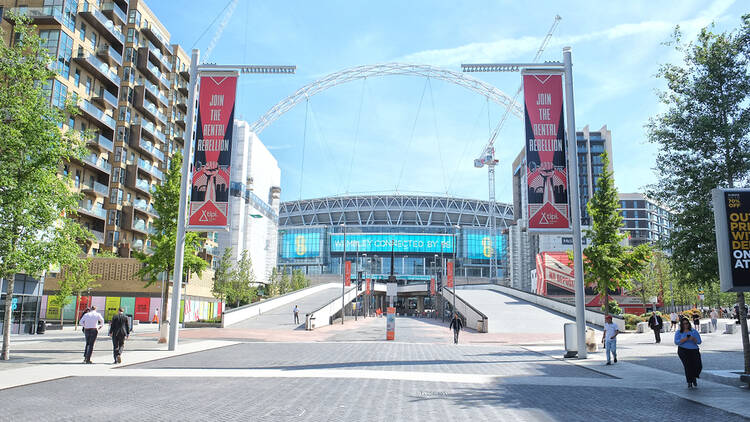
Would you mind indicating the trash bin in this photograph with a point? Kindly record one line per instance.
(41, 326)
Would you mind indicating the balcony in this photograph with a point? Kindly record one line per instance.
(106, 27)
(153, 91)
(160, 58)
(139, 225)
(155, 35)
(97, 189)
(98, 236)
(180, 121)
(112, 56)
(185, 74)
(144, 186)
(179, 136)
(181, 102)
(92, 209)
(141, 103)
(97, 67)
(101, 143)
(150, 169)
(143, 206)
(146, 147)
(183, 86)
(105, 98)
(114, 12)
(97, 115)
(98, 163)
(47, 15)
(137, 245)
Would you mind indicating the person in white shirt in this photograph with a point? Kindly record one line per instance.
(714, 318)
(296, 314)
(91, 322)
(674, 318)
(609, 338)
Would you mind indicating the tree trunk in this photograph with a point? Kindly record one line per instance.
(75, 323)
(11, 279)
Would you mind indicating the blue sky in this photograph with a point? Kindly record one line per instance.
(373, 136)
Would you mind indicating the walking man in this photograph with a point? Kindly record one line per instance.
(714, 318)
(674, 318)
(609, 338)
(656, 323)
(91, 323)
(456, 324)
(119, 330)
(296, 314)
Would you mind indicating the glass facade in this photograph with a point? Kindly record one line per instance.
(27, 298)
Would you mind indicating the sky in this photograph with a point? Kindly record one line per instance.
(412, 134)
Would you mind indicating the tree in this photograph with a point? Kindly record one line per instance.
(299, 281)
(166, 200)
(223, 275)
(33, 199)
(273, 287)
(62, 298)
(704, 142)
(79, 279)
(650, 281)
(608, 264)
(242, 289)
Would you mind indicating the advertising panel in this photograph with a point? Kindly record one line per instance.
(83, 303)
(367, 286)
(100, 302)
(546, 165)
(432, 286)
(43, 309)
(348, 273)
(141, 309)
(480, 246)
(390, 324)
(111, 307)
(69, 311)
(377, 242)
(53, 311)
(128, 304)
(154, 313)
(212, 152)
(300, 245)
(449, 273)
(732, 220)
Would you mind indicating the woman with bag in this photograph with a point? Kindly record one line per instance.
(687, 340)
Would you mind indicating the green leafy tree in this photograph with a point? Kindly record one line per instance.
(62, 298)
(273, 286)
(650, 281)
(79, 278)
(223, 275)
(607, 264)
(166, 200)
(704, 142)
(33, 198)
(242, 289)
(299, 281)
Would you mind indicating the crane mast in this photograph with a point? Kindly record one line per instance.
(488, 155)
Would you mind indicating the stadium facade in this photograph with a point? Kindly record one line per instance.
(421, 232)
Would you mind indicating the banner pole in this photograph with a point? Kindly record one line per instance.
(174, 318)
(575, 206)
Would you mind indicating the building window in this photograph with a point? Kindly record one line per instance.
(82, 32)
(88, 85)
(71, 123)
(78, 179)
(77, 77)
(59, 94)
(132, 36)
(50, 40)
(93, 40)
(124, 114)
(134, 17)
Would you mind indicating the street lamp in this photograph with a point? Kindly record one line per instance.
(455, 243)
(364, 273)
(343, 275)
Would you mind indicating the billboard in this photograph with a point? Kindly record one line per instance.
(449, 273)
(348, 273)
(732, 221)
(212, 152)
(432, 286)
(546, 165)
(401, 243)
(481, 246)
(300, 245)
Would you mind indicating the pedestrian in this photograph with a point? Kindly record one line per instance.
(119, 330)
(697, 320)
(609, 338)
(656, 324)
(714, 318)
(456, 324)
(156, 316)
(91, 322)
(674, 319)
(687, 340)
(296, 314)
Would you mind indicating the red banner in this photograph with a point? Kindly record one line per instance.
(212, 152)
(367, 286)
(546, 165)
(449, 273)
(141, 309)
(432, 286)
(348, 273)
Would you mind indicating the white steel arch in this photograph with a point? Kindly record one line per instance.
(385, 69)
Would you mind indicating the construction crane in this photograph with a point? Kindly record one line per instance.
(487, 158)
(220, 30)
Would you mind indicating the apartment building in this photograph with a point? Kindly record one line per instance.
(644, 220)
(115, 59)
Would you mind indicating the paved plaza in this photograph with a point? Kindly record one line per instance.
(349, 373)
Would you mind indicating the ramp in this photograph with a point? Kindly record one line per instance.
(507, 314)
(281, 317)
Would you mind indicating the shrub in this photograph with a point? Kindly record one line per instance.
(631, 321)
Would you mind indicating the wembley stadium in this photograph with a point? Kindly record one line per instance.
(422, 233)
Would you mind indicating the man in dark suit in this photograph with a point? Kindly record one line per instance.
(119, 330)
(656, 323)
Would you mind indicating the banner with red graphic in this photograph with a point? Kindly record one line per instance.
(432, 286)
(212, 152)
(546, 165)
(367, 286)
(348, 273)
(449, 273)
